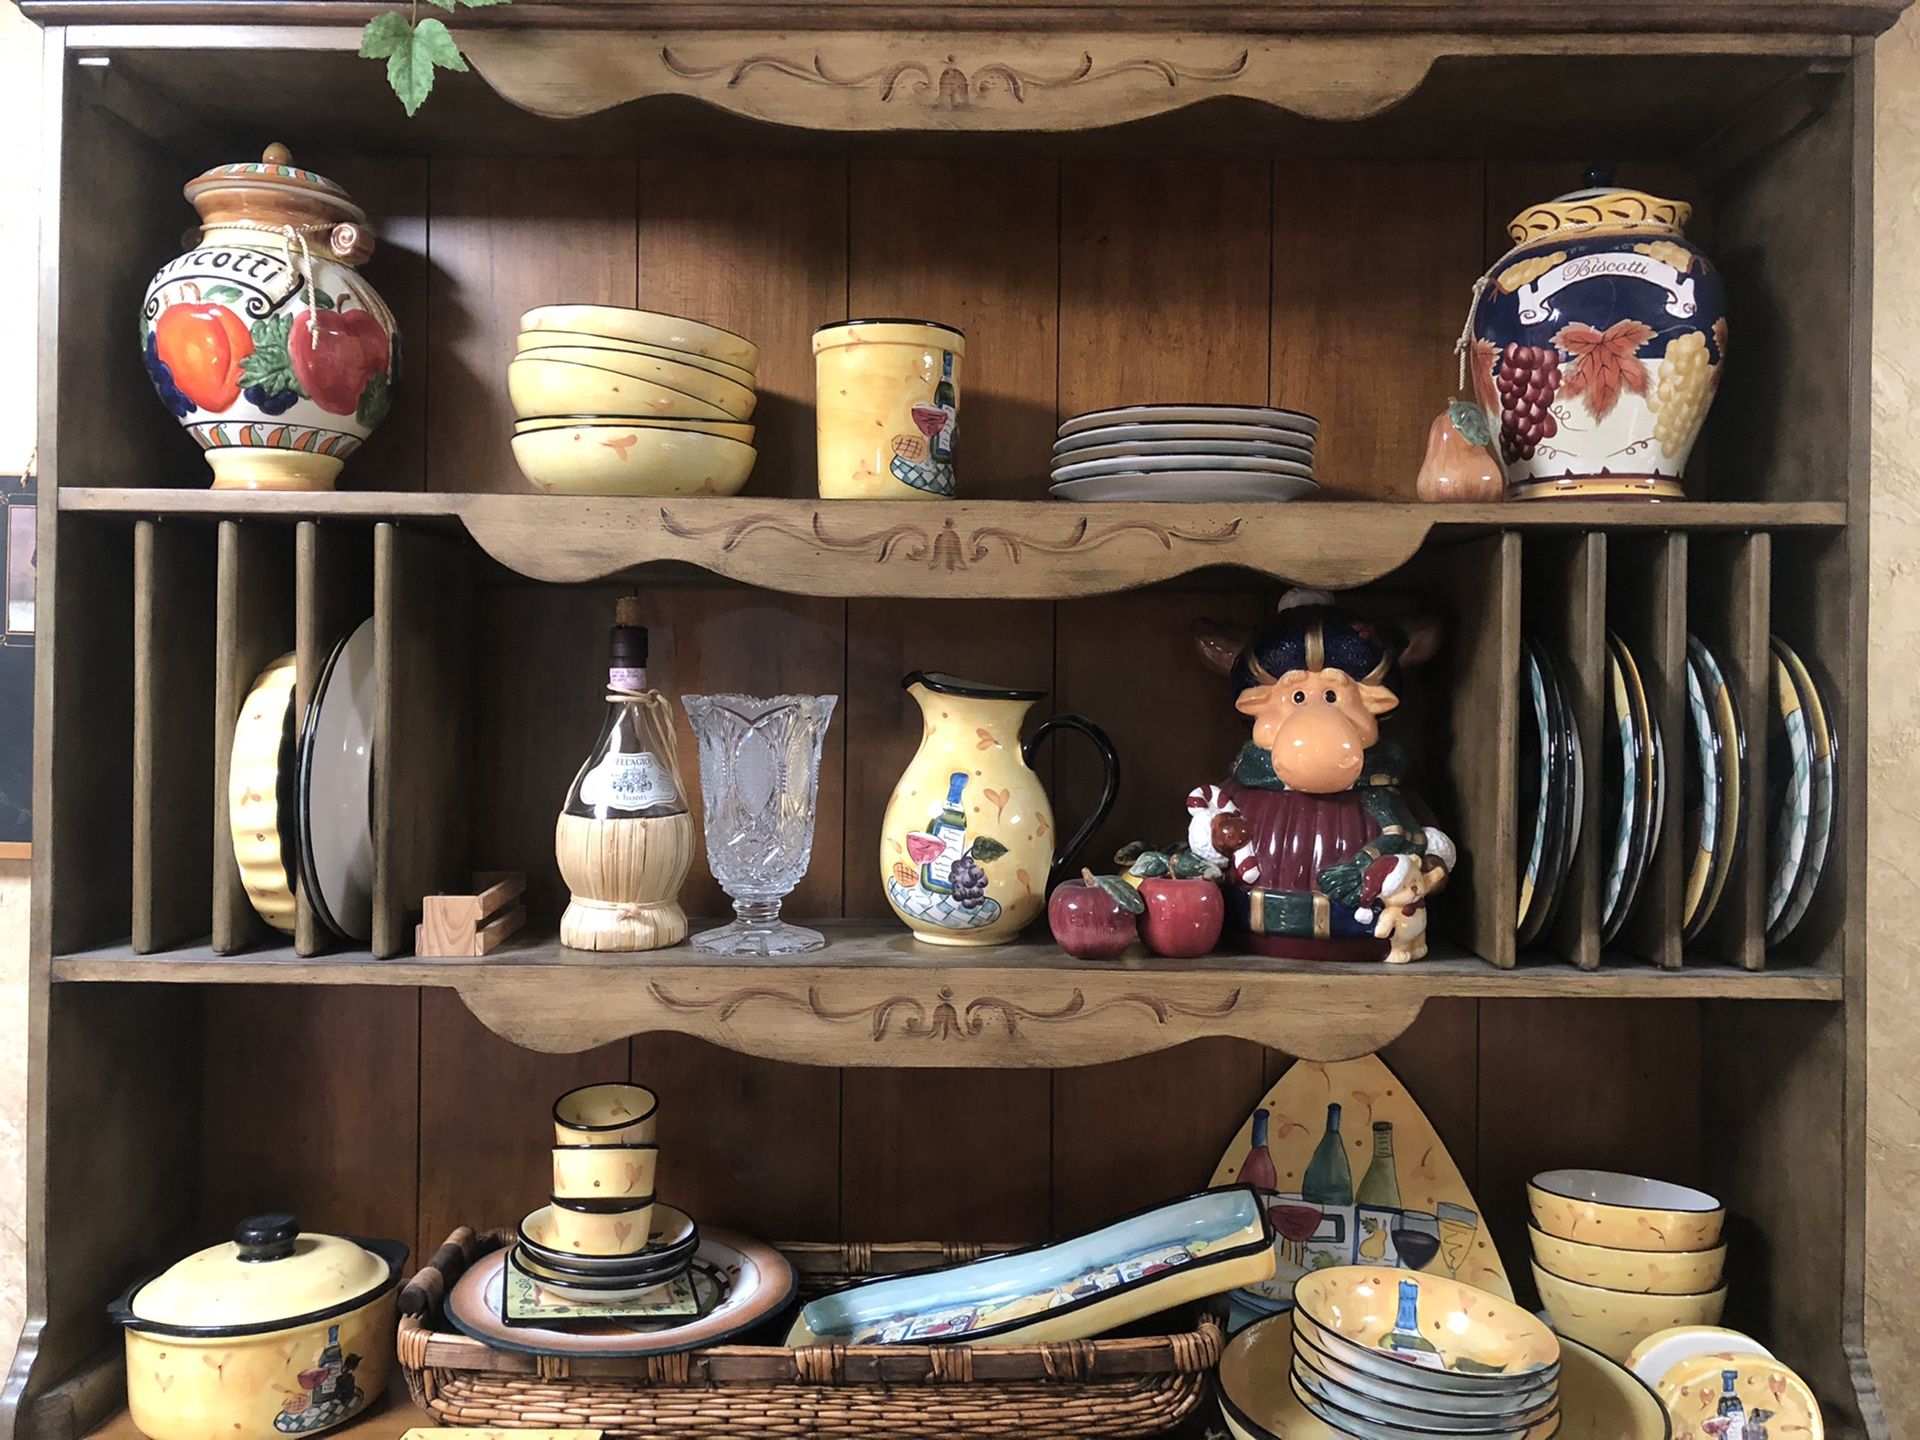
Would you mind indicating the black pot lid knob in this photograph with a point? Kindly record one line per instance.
(266, 1237)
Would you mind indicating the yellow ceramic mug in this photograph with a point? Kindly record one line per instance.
(887, 401)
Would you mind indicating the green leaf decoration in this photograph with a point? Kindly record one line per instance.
(1471, 421)
(322, 301)
(1124, 895)
(483, 4)
(1150, 864)
(412, 52)
(986, 849)
(375, 400)
(1189, 866)
(270, 366)
(221, 292)
(443, 4)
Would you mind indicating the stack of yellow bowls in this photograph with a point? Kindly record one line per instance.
(1620, 1257)
(609, 401)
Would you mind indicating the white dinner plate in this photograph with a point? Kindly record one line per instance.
(1133, 434)
(1192, 415)
(1192, 487)
(1299, 454)
(1075, 469)
(336, 790)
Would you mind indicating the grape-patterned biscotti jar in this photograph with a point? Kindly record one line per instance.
(263, 339)
(1596, 345)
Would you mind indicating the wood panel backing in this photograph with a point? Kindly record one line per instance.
(1565, 585)
(1370, 354)
(1604, 1085)
(332, 594)
(173, 625)
(311, 1103)
(423, 686)
(253, 626)
(762, 253)
(1647, 600)
(1729, 583)
(507, 235)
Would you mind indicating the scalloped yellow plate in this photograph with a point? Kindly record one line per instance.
(260, 794)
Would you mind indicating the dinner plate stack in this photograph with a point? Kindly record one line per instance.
(613, 401)
(1197, 453)
(1389, 1354)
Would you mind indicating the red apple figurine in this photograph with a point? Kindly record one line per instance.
(1096, 916)
(1184, 917)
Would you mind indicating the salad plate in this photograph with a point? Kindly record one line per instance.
(741, 1283)
(1563, 818)
(1260, 416)
(1713, 786)
(1649, 788)
(336, 789)
(1819, 738)
(1179, 464)
(1190, 486)
(1268, 449)
(1170, 1255)
(1129, 434)
(1754, 1392)
(1536, 781)
(1654, 1356)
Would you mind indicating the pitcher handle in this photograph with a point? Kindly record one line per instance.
(1110, 784)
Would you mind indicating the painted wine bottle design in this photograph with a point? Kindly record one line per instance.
(1730, 1418)
(1404, 1341)
(1328, 1187)
(949, 827)
(1377, 1201)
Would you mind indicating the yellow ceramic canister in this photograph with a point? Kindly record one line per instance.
(887, 401)
(272, 1334)
(968, 842)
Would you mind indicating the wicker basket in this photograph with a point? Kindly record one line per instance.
(1066, 1390)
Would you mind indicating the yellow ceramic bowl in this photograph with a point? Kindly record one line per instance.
(604, 1172)
(613, 1113)
(1614, 1321)
(558, 387)
(602, 1232)
(1646, 1272)
(1476, 1336)
(728, 429)
(647, 327)
(1601, 1401)
(261, 735)
(1626, 1212)
(735, 400)
(602, 345)
(613, 460)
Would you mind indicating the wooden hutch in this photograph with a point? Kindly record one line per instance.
(1167, 199)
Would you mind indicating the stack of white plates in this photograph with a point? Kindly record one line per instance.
(1229, 453)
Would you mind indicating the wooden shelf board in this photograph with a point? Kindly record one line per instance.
(1006, 549)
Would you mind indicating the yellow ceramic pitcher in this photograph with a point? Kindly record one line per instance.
(968, 844)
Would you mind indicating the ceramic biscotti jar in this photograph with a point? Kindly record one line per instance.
(1597, 344)
(887, 404)
(277, 1332)
(263, 339)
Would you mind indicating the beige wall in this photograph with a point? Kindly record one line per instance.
(1893, 1118)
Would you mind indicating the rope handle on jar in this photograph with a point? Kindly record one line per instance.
(348, 244)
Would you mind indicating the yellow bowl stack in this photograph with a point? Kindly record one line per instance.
(1620, 1257)
(611, 401)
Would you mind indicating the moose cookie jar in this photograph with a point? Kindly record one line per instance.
(1596, 344)
(1327, 856)
(262, 339)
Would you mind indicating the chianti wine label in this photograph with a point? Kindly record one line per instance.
(628, 781)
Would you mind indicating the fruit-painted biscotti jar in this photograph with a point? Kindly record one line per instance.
(263, 339)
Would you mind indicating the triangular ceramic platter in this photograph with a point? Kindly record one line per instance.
(1327, 1206)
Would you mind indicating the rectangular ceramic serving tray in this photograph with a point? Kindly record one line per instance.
(1161, 1258)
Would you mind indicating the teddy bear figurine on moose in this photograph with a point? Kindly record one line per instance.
(1325, 855)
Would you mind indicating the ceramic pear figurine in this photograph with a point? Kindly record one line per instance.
(968, 846)
(1327, 855)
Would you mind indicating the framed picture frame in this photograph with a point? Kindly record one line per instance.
(17, 507)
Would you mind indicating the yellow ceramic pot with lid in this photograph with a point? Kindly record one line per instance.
(887, 403)
(274, 1333)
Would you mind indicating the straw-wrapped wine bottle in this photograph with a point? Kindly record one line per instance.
(624, 839)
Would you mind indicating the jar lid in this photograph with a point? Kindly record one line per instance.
(271, 189)
(1600, 205)
(267, 1276)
